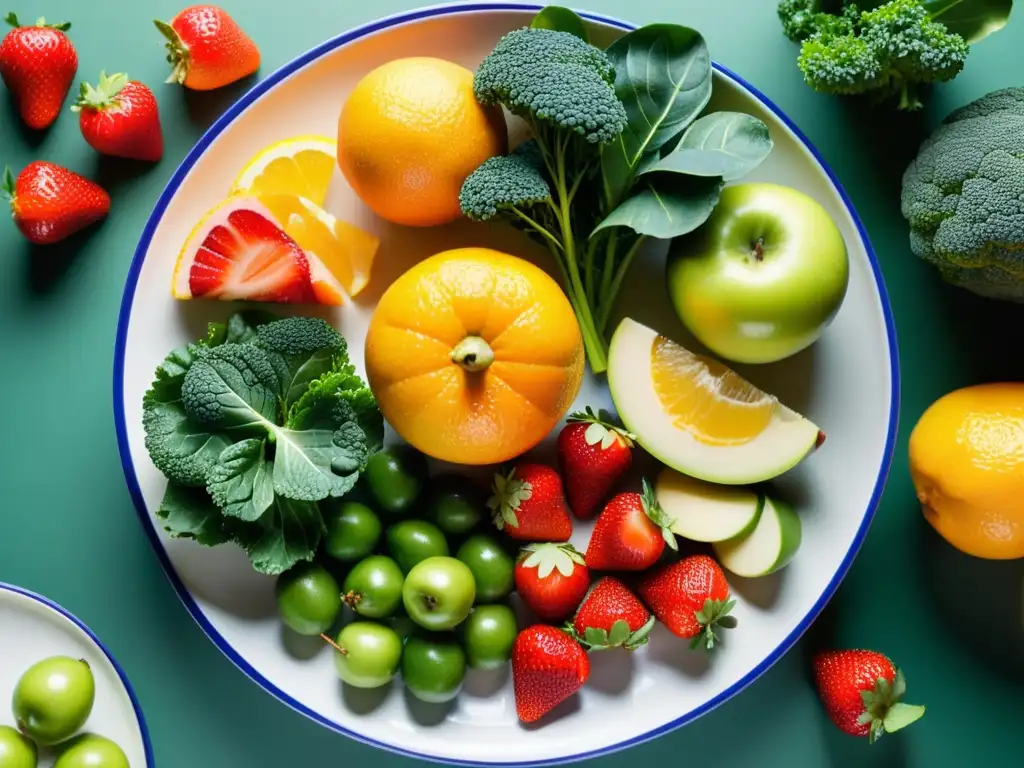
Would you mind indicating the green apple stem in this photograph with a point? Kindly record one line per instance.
(351, 599)
(430, 602)
(334, 645)
(758, 250)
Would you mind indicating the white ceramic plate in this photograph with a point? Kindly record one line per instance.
(33, 628)
(847, 383)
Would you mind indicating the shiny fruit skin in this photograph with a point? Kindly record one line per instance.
(38, 65)
(396, 476)
(373, 588)
(308, 598)
(592, 457)
(607, 604)
(126, 124)
(413, 541)
(630, 534)
(487, 634)
(92, 751)
(438, 593)
(548, 667)
(53, 699)
(16, 751)
(454, 505)
(50, 203)
(677, 592)
(528, 504)
(751, 309)
(353, 532)
(370, 654)
(433, 668)
(410, 133)
(967, 466)
(208, 49)
(547, 590)
(491, 565)
(418, 351)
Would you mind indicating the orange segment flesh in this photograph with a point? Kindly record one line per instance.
(707, 399)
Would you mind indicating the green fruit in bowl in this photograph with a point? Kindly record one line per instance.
(454, 505)
(411, 541)
(493, 568)
(433, 667)
(373, 588)
(762, 277)
(438, 593)
(308, 598)
(92, 751)
(53, 699)
(769, 547)
(396, 476)
(352, 532)
(487, 634)
(367, 654)
(697, 416)
(16, 751)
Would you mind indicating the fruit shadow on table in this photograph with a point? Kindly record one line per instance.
(204, 107)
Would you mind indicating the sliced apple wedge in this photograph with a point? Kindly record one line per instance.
(699, 417)
(769, 547)
(702, 511)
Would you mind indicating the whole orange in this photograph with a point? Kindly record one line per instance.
(967, 464)
(410, 133)
(474, 356)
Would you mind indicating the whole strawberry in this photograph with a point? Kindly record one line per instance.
(691, 598)
(612, 617)
(49, 202)
(630, 533)
(529, 505)
(593, 455)
(119, 117)
(38, 64)
(207, 48)
(551, 579)
(548, 667)
(862, 692)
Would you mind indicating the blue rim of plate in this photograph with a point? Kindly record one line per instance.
(236, 109)
(140, 718)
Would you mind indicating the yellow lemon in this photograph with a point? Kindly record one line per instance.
(301, 166)
(410, 133)
(967, 464)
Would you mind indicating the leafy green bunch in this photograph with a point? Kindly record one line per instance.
(890, 51)
(619, 152)
(252, 426)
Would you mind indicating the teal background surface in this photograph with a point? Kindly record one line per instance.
(68, 529)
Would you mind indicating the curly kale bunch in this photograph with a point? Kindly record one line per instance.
(888, 52)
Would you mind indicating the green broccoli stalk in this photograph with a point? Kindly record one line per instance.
(889, 52)
(562, 87)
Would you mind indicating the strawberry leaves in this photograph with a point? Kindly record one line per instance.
(714, 613)
(547, 557)
(101, 96)
(884, 710)
(509, 494)
(657, 515)
(12, 19)
(620, 636)
(601, 429)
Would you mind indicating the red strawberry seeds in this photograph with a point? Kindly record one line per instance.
(593, 456)
(529, 505)
(50, 202)
(119, 117)
(630, 534)
(612, 617)
(38, 64)
(207, 48)
(548, 667)
(691, 598)
(551, 579)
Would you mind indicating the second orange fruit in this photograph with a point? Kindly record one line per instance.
(410, 133)
(474, 356)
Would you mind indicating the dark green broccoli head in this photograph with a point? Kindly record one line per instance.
(505, 182)
(963, 196)
(299, 335)
(554, 78)
(802, 19)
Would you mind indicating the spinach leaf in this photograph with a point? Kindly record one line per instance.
(560, 20)
(241, 482)
(666, 205)
(725, 144)
(181, 449)
(189, 513)
(242, 326)
(287, 533)
(232, 386)
(663, 78)
(319, 452)
(973, 20)
(345, 385)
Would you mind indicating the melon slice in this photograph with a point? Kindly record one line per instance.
(769, 547)
(697, 416)
(702, 511)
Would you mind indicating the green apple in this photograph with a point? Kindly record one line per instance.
(769, 547)
(702, 511)
(762, 277)
(438, 593)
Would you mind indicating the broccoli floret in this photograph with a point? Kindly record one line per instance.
(509, 182)
(299, 336)
(963, 196)
(803, 18)
(886, 52)
(555, 78)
